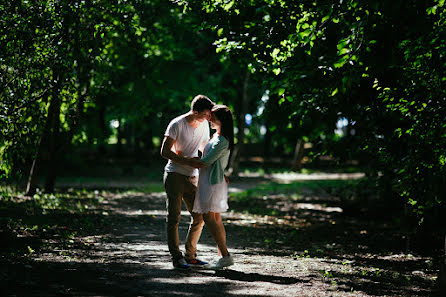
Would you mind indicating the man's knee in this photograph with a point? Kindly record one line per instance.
(173, 221)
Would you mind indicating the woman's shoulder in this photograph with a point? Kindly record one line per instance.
(221, 139)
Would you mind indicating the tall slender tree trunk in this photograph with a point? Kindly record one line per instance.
(50, 146)
(102, 125)
(54, 113)
(298, 155)
(238, 148)
(119, 139)
(33, 175)
(267, 149)
(53, 142)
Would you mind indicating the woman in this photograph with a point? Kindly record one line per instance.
(212, 194)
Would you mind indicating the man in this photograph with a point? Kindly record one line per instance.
(184, 137)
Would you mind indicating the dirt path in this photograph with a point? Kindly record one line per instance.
(318, 252)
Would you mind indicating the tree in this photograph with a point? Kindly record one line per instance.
(379, 64)
(48, 53)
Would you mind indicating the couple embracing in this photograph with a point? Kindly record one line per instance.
(199, 182)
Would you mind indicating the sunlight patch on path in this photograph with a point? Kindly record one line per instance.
(292, 176)
(288, 177)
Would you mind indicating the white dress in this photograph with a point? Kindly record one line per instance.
(210, 197)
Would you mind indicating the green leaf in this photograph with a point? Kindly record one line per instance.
(304, 34)
(305, 26)
(341, 61)
(30, 250)
(342, 44)
(431, 10)
(228, 6)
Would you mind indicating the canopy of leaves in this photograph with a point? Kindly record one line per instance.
(380, 64)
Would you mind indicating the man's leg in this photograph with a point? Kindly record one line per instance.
(173, 184)
(197, 223)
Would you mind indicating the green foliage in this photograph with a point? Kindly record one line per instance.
(137, 62)
(48, 53)
(377, 64)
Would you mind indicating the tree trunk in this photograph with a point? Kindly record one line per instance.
(54, 113)
(102, 125)
(298, 155)
(238, 148)
(53, 143)
(33, 175)
(119, 139)
(267, 149)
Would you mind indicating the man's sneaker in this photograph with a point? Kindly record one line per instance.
(181, 264)
(221, 263)
(196, 263)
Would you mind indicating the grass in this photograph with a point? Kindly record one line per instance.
(26, 223)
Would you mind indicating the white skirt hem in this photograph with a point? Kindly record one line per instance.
(202, 211)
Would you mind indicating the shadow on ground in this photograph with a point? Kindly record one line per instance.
(283, 247)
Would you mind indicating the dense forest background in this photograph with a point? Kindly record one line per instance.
(324, 85)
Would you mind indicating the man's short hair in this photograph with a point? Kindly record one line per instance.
(201, 103)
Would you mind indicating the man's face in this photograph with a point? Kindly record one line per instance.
(204, 115)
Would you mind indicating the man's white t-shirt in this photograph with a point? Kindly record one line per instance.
(187, 140)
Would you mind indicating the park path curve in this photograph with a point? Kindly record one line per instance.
(272, 258)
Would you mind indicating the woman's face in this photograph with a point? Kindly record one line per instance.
(215, 122)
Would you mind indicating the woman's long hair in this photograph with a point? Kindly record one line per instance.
(224, 114)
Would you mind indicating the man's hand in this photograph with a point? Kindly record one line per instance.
(190, 161)
(195, 162)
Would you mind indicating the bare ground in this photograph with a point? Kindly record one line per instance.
(309, 248)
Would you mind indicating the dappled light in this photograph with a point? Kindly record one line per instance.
(283, 244)
(319, 123)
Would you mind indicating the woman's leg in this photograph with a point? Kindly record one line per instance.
(219, 221)
(217, 231)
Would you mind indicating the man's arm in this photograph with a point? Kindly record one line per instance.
(167, 153)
